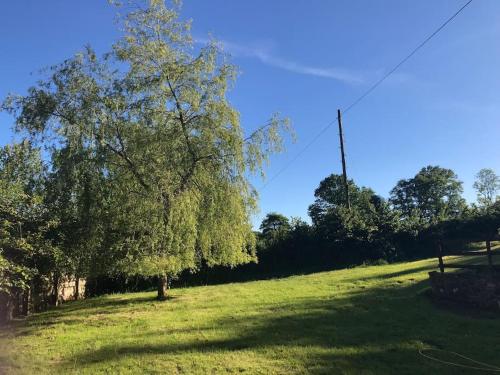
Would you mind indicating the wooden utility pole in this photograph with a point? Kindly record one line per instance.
(344, 172)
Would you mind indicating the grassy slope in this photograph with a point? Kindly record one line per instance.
(367, 320)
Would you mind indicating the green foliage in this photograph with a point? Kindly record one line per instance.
(153, 171)
(330, 196)
(75, 196)
(479, 225)
(363, 232)
(21, 165)
(487, 185)
(434, 194)
(25, 250)
(274, 227)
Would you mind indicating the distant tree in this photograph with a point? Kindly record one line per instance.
(297, 224)
(330, 196)
(176, 161)
(273, 231)
(433, 194)
(363, 232)
(274, 222)
(487, 186)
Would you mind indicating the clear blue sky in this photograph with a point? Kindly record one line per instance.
(305, 59)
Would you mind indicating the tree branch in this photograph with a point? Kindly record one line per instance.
(254, 133)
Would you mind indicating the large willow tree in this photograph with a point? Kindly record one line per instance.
(153, 115)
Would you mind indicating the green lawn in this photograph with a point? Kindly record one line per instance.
(366, 320)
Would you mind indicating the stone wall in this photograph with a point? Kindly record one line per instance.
(474, 288)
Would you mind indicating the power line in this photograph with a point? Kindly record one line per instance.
(398, 65)
(298, 155)
(366, 93)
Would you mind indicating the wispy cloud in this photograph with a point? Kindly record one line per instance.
(266, 57)
(465, 106)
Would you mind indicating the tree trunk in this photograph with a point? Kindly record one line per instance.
(77, 287)
(162, 287)
(6, 308)
(55, 289)
(25, 309)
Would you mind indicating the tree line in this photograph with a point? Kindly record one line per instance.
(374, 229)
(420, 211)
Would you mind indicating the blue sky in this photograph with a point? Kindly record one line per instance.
(305, 59)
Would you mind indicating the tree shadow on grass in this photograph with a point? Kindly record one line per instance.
(408, 271)
(105, 304)
(480, 259)
(78, 312)
(371, 330)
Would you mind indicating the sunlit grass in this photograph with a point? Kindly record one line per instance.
(366, 320)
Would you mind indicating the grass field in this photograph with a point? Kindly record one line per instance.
(366, 320)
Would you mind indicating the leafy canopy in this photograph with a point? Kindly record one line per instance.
(434, 194)
(362, 232)
(487, 186)
(330, 197)
(25, 250)
(153, 117)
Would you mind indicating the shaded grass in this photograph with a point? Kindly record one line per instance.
(366, 320)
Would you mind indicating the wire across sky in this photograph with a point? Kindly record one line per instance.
(365, 94)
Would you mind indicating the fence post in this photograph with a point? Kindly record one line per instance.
(488, 251)
(440, 256)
